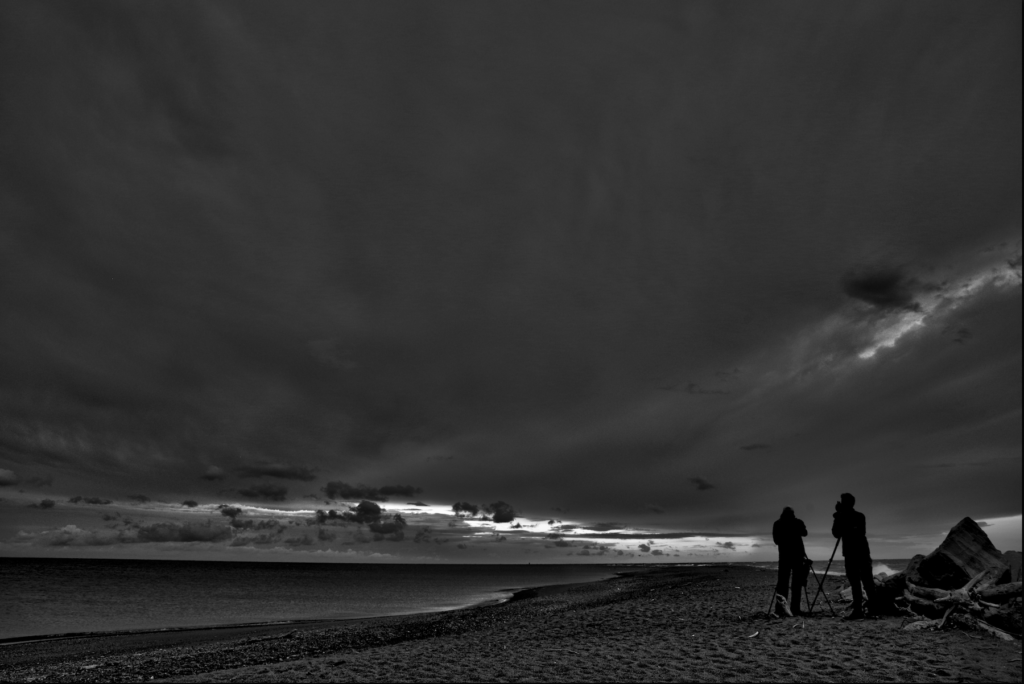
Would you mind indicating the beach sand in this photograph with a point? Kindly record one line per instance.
(677, 624)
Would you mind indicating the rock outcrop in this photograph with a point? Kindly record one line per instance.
(1012, 559)
(964, 553)
(966, 582)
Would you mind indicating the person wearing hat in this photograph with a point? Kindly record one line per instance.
(851, 526)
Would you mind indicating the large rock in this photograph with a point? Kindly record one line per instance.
(912, 566)
(1006, 617)
(965, 552)
(1012, 559)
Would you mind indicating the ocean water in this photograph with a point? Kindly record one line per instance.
(61, 596)
(884, 566)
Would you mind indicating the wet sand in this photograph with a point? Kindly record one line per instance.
(693, 624)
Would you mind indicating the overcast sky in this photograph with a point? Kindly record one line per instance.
(644, 273)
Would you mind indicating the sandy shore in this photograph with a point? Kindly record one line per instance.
(689, 624)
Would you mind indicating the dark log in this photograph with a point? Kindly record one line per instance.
(1000, 593)
(1007, 616)
(990, 579)
(926, 592)
(923, 606)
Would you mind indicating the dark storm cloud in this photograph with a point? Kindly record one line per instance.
(214, 474)
(342, 490)
(160, 533)
(387, 527)
(652, 535)
(304, 540)
(501, 512)
(701, 484)
(757, 446)
(469, 509)
(400, 490)
(246, 540)
(279, 470)
(138, 498)
(94, 500)
(882, 287)
(365, 512)
(270, 492)
(8, 478)
(226, 240)
(256, 525)
(173, 532)
(40, 481)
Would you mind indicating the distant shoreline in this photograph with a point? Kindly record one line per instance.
(515, 594)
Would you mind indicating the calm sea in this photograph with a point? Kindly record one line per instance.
(885, 566)
(60, 596)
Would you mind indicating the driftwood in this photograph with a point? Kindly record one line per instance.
(968, 604)
(922, 606)
(925, 592)
(1000, 593)
(1005, 636)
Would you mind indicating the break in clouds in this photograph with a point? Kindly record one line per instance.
(668, 265)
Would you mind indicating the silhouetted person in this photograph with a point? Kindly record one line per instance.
(851, 526)
(788, 533)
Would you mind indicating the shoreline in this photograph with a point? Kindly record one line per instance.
(513, 595)
(653, 624)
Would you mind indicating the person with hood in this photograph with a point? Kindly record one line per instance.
(851, 526)
(788, 533)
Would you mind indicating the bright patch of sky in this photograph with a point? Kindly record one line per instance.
(932, 306)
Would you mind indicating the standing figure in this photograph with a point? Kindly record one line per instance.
(851, 526)
(788, 533)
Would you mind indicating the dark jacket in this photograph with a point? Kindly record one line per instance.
(851, 526)
(787, 533)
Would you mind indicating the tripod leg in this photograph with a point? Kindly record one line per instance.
(821, 584)
(829, 602)
(823, 592)
(810, 606)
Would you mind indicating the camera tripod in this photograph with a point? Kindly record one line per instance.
(810, 604)
(821, 582)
